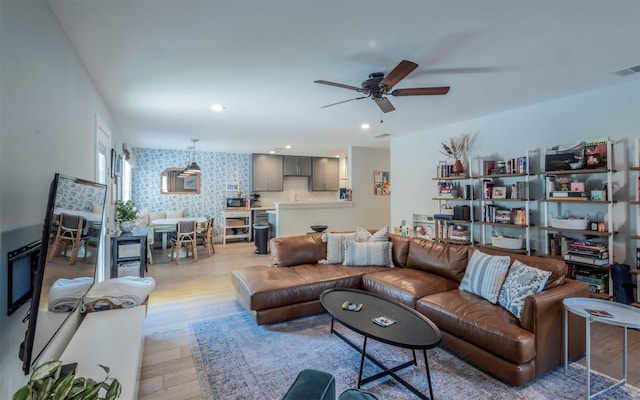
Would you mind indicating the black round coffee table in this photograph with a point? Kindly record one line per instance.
(411, 330)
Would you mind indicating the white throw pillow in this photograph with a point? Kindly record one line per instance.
(485, 274)
(154, 215)
(521, 281)
(364, 235)
(174, 213)
(335, 246)
(368, 253)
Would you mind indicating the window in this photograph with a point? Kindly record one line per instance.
(126, 181)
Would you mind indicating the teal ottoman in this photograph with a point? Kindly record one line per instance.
(355, 394)
(311, 384)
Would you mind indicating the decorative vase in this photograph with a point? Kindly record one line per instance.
(458, 168)
(126, 226)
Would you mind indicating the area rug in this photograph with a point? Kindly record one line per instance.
(237, 359)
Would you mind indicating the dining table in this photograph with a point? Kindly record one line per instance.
(166, 225)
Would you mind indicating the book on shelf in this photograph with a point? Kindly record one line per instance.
(589, 253)
(564, 193)
(442, 216)
(586, 260)
(592, 280)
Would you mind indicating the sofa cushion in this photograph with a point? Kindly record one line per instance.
(364, 235)
(335, 246)
(438, 258)
(557, 267)
(488, 326)
(406, 285)
(485, 275)
(369, 253)
(174, 213)
(399, 249)
(143, 217)
(154, 215)
(287, 251)
(262, 287)
(521, 281)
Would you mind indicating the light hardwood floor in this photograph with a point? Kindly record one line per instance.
(193, 291)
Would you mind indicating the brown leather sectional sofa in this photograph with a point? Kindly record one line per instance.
(426, 277)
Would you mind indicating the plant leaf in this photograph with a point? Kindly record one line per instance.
(44, 370)
(63, 387)
(24, 393)
(114, 391)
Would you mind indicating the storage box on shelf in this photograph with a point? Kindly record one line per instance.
(505, 196)
(584, 242)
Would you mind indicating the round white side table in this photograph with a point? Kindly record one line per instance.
(605, 312)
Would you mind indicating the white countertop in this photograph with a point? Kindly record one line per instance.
(313, 204)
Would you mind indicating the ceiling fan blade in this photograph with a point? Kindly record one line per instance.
(384, 104)
(340, 85)
(401, 70)
(344, 101)
(427, 91)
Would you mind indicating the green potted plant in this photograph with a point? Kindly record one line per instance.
(126, 213)
(48, 381)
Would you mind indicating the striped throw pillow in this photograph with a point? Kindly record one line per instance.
(368, 253)
(485, 274)
(335, 246)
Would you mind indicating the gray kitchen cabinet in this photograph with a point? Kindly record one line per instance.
(324, 174)
(267, 173)
(297, 166)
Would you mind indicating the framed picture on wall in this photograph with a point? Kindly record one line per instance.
(233, 186)
(381, 183)
(114, 162)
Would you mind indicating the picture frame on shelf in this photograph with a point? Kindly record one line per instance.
(577, 186)
(499, 192)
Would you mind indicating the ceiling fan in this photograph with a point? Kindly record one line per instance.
(378, 86)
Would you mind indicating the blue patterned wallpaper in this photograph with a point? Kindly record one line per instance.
(217, 170)
(73, 196)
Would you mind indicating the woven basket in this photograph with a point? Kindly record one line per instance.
(507, 243)
(569, 223)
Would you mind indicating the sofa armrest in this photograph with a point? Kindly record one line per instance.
(543, 315)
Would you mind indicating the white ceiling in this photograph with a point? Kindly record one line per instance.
(159, 65)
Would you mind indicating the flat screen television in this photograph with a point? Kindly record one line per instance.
(61, 268)
(22, 265)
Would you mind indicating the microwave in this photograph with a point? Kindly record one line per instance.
(236, 202)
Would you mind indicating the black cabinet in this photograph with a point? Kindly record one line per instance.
(129, 251)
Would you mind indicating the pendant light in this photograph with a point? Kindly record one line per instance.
(184, 172)
(193, 168)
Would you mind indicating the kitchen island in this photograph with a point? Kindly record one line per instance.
(297, 218)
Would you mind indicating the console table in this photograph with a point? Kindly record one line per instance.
(129, 246)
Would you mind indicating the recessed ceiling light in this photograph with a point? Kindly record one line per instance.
(287, 146)
(217, 107)
(365, 126)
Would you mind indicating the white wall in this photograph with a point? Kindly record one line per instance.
(48, 108)
(612, 112)
(372, 211)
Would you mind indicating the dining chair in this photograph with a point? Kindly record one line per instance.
(185, 237)
(205, 238)
(69, 232)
